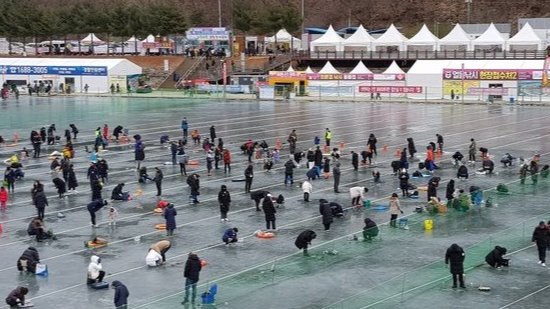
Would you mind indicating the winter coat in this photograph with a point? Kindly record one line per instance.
(229, 233)
(158, 176)
(59, 185)
(194, 184)
(541, 235)
(354, 159)
(318, 157)
(258, 195)
(370, 228)
(121, 294)
(184, 125)
(212, 133)
(249, 172)
(161, 245)
(356, 192)
(117, 192)
(304, 239)
(96, 190)
(336, 170)
(472, 148)
(224, 198)
(313, 173)
(94, 267)
(289, 167)
(226, 157)
(71, 179)
(40, 200)
(307, 187)
(496, 256)
(170, 214)
(3, 196)
(269, 209)
(411, 146)
(326, 211)
(192, 268)
(17, 294)
(450, 190)
(455, 256)
(395, 206)
(139, 151)
(432, 190)
(404, 181)
(102, 168)
(31, 256)
(95, 205)
(462, 171)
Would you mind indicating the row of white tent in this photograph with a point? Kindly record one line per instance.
(525, 39)
(93, 39)
(360, 68)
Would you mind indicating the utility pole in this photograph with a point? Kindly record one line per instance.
(219, 13)
(303, 17)
(468, 10)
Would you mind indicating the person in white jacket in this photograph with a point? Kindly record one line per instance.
(95, 272)
(156, 254)
(307, 188)
(357, 194)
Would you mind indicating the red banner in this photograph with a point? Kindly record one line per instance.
(490, 74)
(390, 89)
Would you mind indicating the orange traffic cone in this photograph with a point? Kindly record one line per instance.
(398, 153)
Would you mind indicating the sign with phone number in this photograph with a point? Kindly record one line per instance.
(53, 70)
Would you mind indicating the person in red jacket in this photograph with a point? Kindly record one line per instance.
(226, 160)
(3, 198)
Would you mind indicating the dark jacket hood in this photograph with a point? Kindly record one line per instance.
(116, 283)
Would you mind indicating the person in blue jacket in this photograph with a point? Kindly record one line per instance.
(121, 295)
(230, 235)
(93, 207)
(184, 127)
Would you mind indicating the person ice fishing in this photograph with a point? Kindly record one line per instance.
(304, 240)
(230, 235)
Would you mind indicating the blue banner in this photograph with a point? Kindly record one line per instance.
(53, 70)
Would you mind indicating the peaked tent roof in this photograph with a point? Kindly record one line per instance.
(330, 38)
(282, 36)
(132, 39)
(394, 69)
(359, 38)
(360, 68)
(423, 37)
(392, 36)
(526, 36)
(290, 68)
(91, 38)
(491, 36)
(328, 69)
(149, 39)
(456, 36)
(309, 70)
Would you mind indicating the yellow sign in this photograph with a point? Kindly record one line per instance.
(456, 86)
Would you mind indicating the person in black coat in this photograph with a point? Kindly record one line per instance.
(455, 256)
(450, 190)
(213, 133)
(290, 165)
(304, 239)
(248, 177)
(40, 202)
(139, 150)
(117, 131)
(439, 143)
(93, 207)
(68, 135)
(97, 186)
(257, 196)
(170, 214)
(404, 182)
(318, 157)
(194, 184)
(121, 295)
(541, 236)
(354, 160)
(224, 198)
(495, 257)
(411, 147)
(191, 274)
(462, 172)
(326, 213)
(432, 187)
(28, 260)
(17, 297)
(74, 130)
(72, 182)
(60, 186)
(269, 211)
(371, 143)
(118, 194)
(158, 180)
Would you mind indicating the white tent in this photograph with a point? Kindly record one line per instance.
(309, 70)
(360, 40)
(423, 40)
(149, 39)
(132, 39)
(360, 68)
(391, 40)
(91, 39)
(290, 68)
(491, 40)
(330, 41)
(394, 69)
(328, 69)
(282, 36)
(457, 39)
(525, 39)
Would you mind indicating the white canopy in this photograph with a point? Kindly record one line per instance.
(526, 36)
(491, 37)
(457, 37)
(282, 36)
(394, 69)
(132, 39)
(360, 68)
(290, 68)
(91, 38)
(149, 39)
(328, 69)
(424, 37)
(360, 38)
(309, 70)
(392, 37)
(330, 39)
